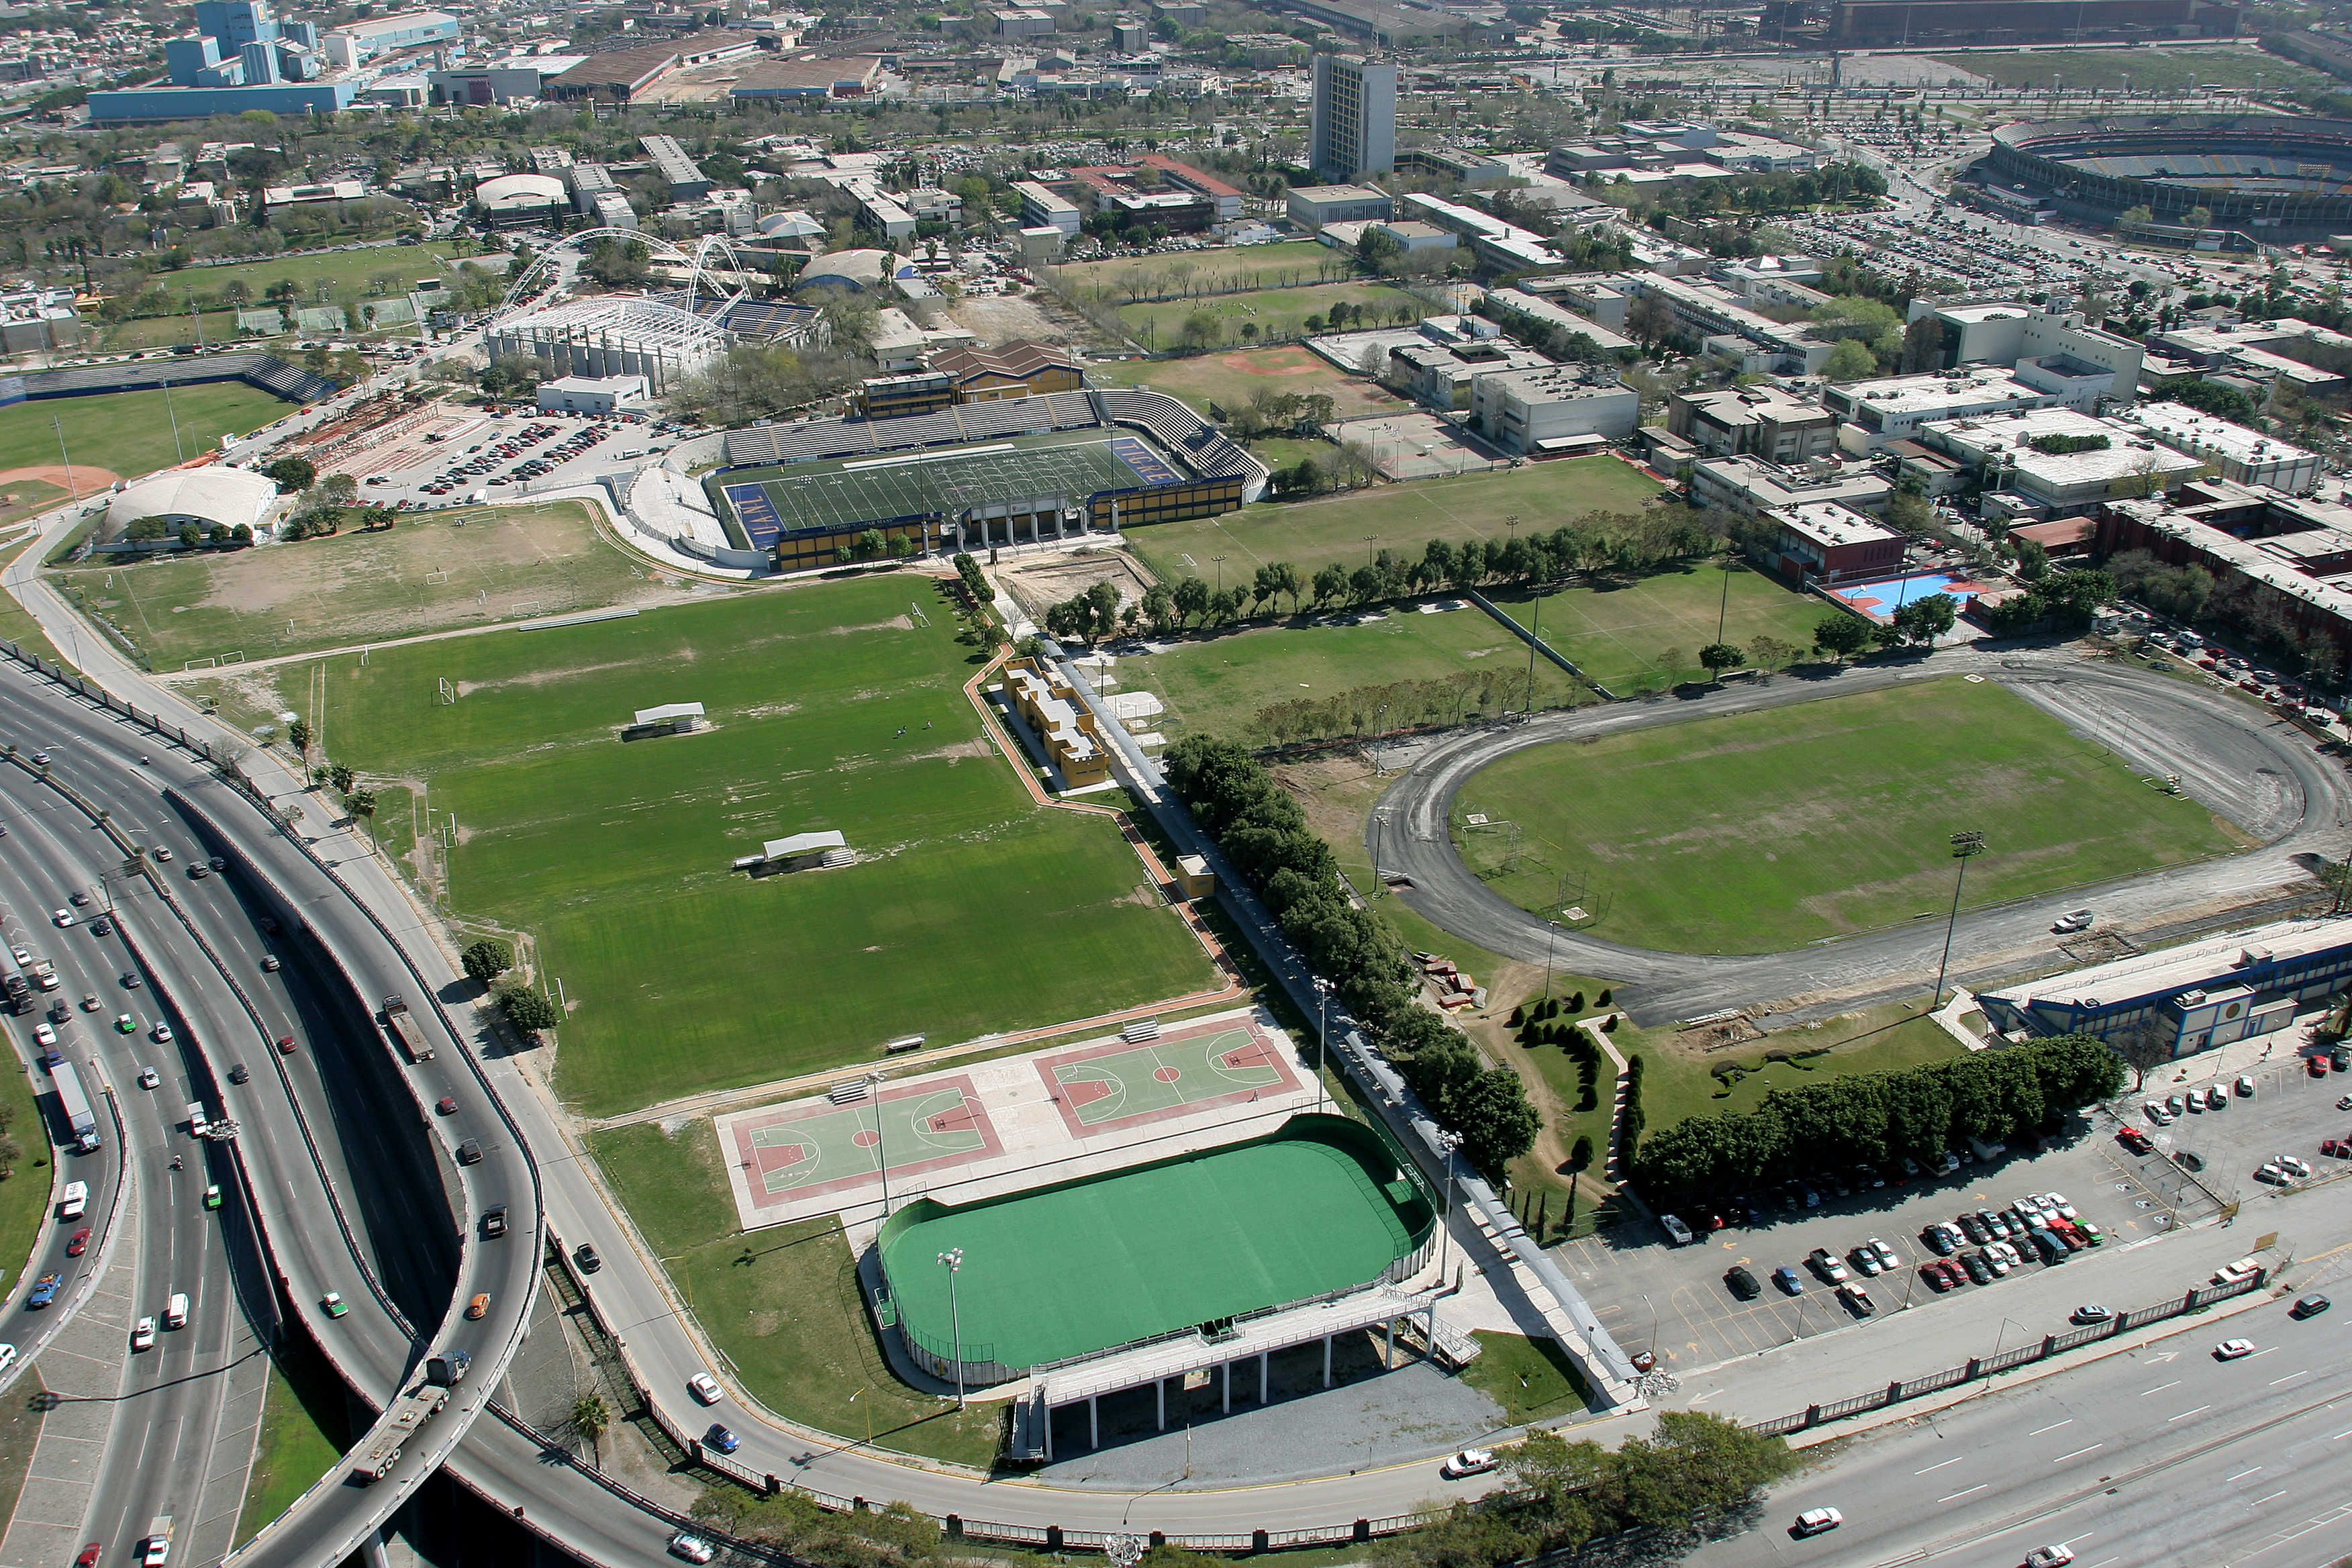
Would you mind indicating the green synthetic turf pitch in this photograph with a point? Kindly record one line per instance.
(1164, 1075)
(970, 910)
(849, 1142)
(833, 496)
(1064, 1270)
(1756, 832)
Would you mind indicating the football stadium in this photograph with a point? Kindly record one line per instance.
(1015, 471)
(2273, 171)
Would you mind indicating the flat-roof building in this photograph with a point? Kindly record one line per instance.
(2246, 456)
(2074, 478)
(1317, 207)
(1041, 207)
(1829, 541)
(686, 182)
(356, 43)
(1896, 407)
(1764, 420)
(591, 394)
(1550, 410)
(1749, 485)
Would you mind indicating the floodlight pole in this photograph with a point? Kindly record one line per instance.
(1221, 573)
(1445, 1209)
(881, 1139)
(1322, 1035)
(1964, 846)
(954, 1261)
(1552, 950)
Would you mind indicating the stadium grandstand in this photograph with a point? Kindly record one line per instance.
(265, 370)
(662, 336)
(1022, 470)
(2263, 172)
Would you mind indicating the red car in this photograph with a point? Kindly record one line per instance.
(79, 1244)
(2339, 1148)
(89, 1558)
(2138, 1141)
(2318, 1067)
(1938, 1280)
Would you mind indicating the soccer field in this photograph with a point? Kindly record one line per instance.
(770, 502)
(970, 909)
(1756, 832)
(1063, 1270)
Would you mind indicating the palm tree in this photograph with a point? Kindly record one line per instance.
(591, 1419)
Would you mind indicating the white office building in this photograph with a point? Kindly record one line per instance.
(1351, 131)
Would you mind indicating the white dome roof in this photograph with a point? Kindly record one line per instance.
(520, 190)
(206, 496)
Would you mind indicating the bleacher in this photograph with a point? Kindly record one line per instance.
(255, 368)
(1177, 427)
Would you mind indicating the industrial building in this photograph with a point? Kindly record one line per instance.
(1553, 410)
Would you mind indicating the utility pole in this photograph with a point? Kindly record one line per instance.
(1964, 846)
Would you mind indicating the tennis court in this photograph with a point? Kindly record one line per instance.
(773, 502)
(1110, 1087)
(1065, 1270)
(812, 1150)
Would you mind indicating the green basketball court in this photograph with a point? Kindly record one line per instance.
(805, 1152)
(1064, 1270)
(1119, 1085)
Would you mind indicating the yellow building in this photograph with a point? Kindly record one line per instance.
(1051, 705)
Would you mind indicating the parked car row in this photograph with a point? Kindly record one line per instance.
(515, 446)
(2195, 1101)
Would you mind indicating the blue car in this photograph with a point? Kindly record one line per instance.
(45, 1291)
(1788, 1279)
(720, 1438)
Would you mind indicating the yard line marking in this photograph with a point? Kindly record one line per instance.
(1956, 1495)
(1939, 1467)
(2077, 1453)
(2242, 1475)
(2052, 1427)
(2159, 1388)
(2186, 1414)
(2290, 1377)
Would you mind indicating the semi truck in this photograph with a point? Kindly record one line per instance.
(75, 1105)
(402, 1025)
(380, 1451)
(18, 989)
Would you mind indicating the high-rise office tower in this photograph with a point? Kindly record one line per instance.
(1353, 129)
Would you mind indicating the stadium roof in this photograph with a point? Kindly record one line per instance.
(206, 496)
(848, 268)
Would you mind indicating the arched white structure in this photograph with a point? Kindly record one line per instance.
(697, 262)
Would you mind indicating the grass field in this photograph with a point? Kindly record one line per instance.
(129, 433)
(1314, 534)
(1276, 313)
(1228, 379)
(1190, 1240)
(971, 910)
(784, 1304)
(1261, 266)
(1679, 1084)
(332, 276)
(2164, 69)
(1647, 631)
(1532, 1380)
(303, 1429)
(492, 564)
(1216, 685)
(25, 1194)
(1756, 832)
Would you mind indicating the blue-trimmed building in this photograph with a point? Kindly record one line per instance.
(155, 105)
(2199, 995)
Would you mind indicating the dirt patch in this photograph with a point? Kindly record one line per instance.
(956, 753)
(1274, 361)
(539, 676)
(895, 624)
(86, 482)
(1034, 317)
(1040, 580)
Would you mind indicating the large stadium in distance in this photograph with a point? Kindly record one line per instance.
(2279, 172)
(1024, 470)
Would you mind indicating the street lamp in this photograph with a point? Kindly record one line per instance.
(881, 1140)
(1964, 846)
(1453, 1141)
(1322, 1035)
(952, 1261)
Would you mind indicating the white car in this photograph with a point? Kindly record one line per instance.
(1814, 1521)
(162, 1034)
(62, 918)
(44, 1034)
(2158, 1114)
(149, 1077)
(693, 1547)
(2294, 1164)
(703, 1387)
(1468, 1462)
(2057, 1202)
(2230, 1350)
(142, 1334)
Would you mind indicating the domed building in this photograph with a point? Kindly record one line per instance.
(513, 201)
(201, 495)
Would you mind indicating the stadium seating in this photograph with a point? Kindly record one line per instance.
(265, 370)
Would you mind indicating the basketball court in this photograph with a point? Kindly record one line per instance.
(1107, 1087)
(826, 1148)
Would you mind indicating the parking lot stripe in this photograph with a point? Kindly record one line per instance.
(2272, 1498)
(2186, 1414)
(1951, 1461)
(2078, 1453)
(1956, 1495)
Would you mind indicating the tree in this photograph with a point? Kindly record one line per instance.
(1580, 1158)
(1923, 345)
(341, 778)
(1331, 583)
(292, 474)
(529, 1010)
(337, 489)
(2144, 1046)
(1842, 635)
(487, 959)
(1851, 361)
(1496, 1122)
(1768, 652)
(361, 802)
(2198, 217)
(1191, 597)
(2033, 561)
(1719, 656)
(297, 736)
(1696, 1469)
(1158, 607)
(591, 1420)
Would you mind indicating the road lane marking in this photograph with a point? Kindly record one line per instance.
(2159, 1388)
(1956, 1495)
(2260, 1500)
(1953, 1461)
(2077, 1453)
(2052, 1427)
(2186, 1414)
(2341, 1436)
(2242, 1475)
(2264, 1351)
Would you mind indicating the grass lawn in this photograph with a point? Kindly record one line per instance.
(784, 1303)
(20, 1431)
(970, 911)
(1229, 378)
(1216, 685)
(1311, 535)
(2164, 69)
(129, 433)
(1625, 633)
(1259, 266)
(1277, 312)
(24, 1193)
(1532, 1380)
(1678, 1082)
(469, 567)
(1758, 832)
(303, 1431)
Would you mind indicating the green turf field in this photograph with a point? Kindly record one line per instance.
(1230, 378)
(129, 433)
(837, 494)
(1319, 1206)
(1146, 1080)
(1276, 313)
(1314, 534)
(1756, 832)
(848, 1141)
(1258, 266)
(970, 910)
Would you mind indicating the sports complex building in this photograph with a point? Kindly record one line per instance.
(1016, 471)
(2250, 170)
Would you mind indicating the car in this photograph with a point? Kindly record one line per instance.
(237, 1073)
(693, 1547)
(78, 899)
(2158, 1114)
(2245, 1086)
(1468, 1462)
(1857, 1301)
(2344, 1103)
(1867, 1262)
(62, 918)
(477, 1307)
(2294, 1165)
(446, 1105)
(1993, 1222)
(142, 1334)
(1816, 1521)
(149, 1077)
(333, 1304)
(2231, 1273)
(1995, 1265)
(41, 758)
(285, 1044)
(1741, 1283)
(469, 1152)
(90, 1003)
(2073, 920)
(494, 1222)
(2217, 1096)
(2318, 1067)
(1677, 1231)
(1864, 1178)
(2049, 1557)
(1938, 1239)
(2138, 1141)
(199, 871)
(586, 1256)
(703, 1387)
(130, 980)
(2340, 1059)
(2308, 1307)
(2176, 1105)
(1938, 1280)
(44, 1034)
(1826, 1265)
(2056, 1204)
(163, 1033)
(2230, 1350)
(89, 1554)
(2091, 1315)
(213, 1196)
(78, 1243)
(45, 1291)
(1788, 1279)
(1887, 1258)
(98, 927)
(124, 1024)
(164, 854)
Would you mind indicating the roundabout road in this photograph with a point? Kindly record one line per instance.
(2265, 774)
